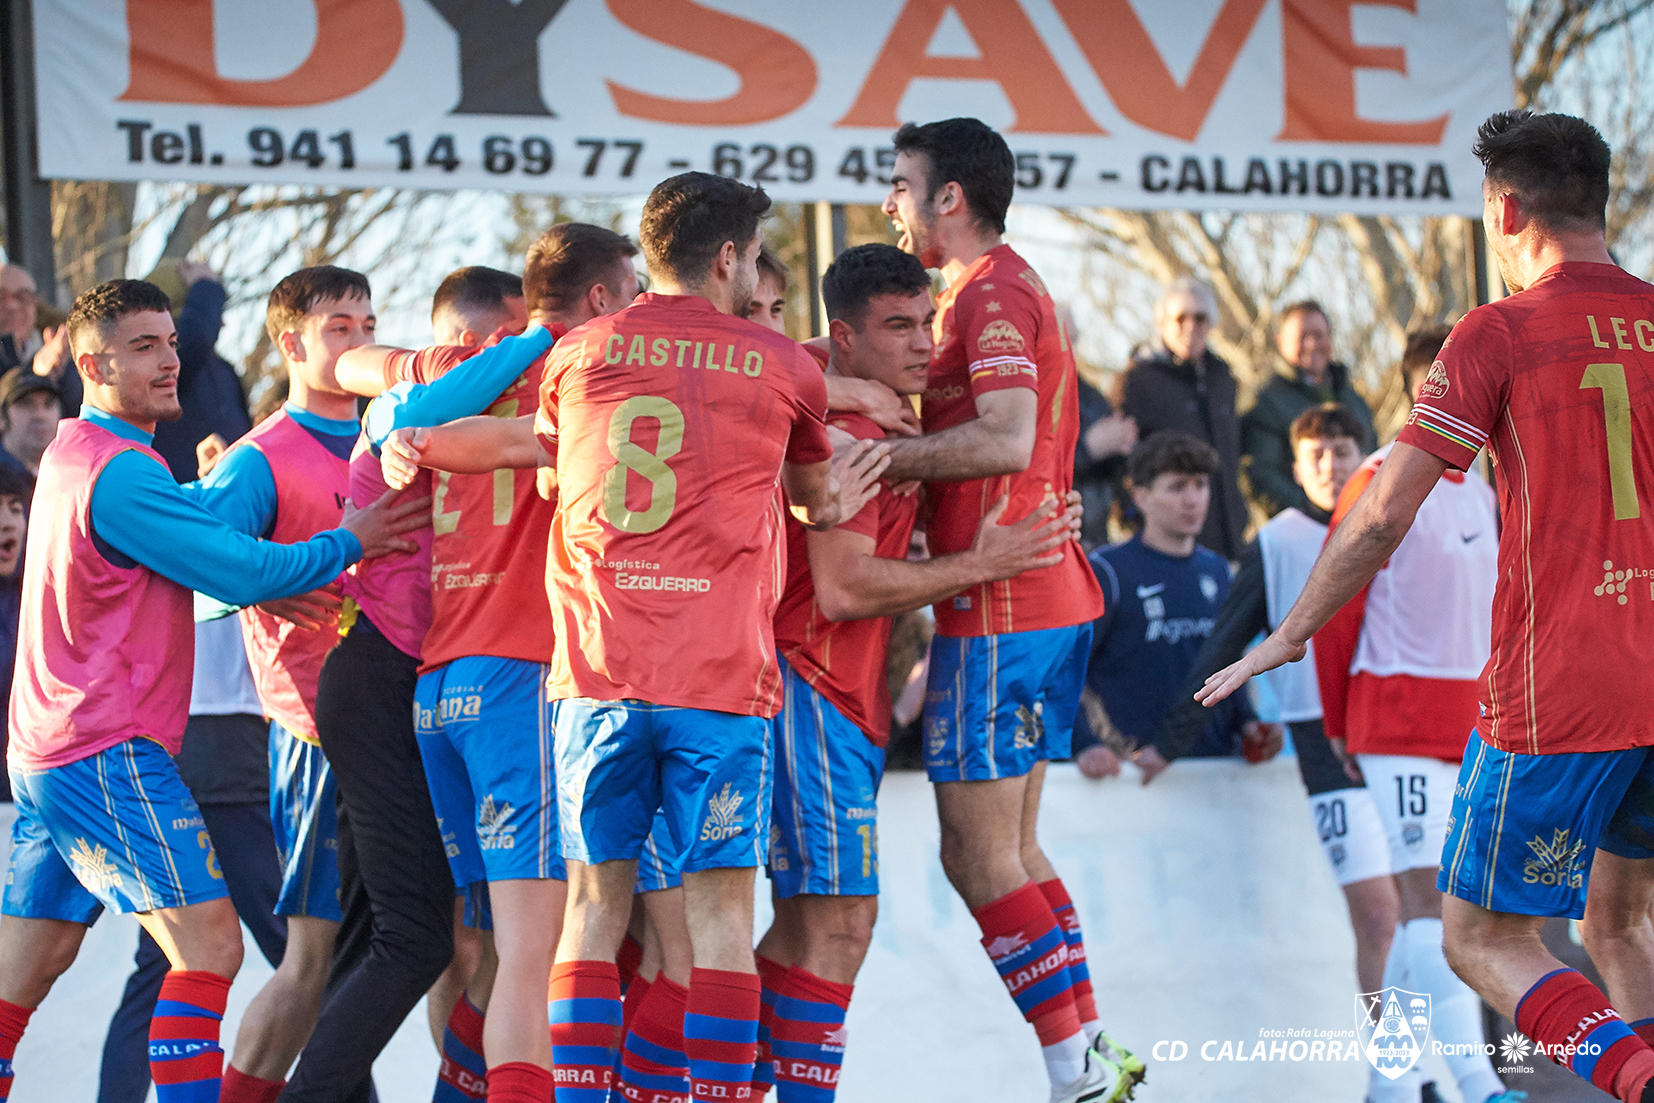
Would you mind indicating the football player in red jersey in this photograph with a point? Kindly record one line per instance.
(1001, 417)
(1553, 813)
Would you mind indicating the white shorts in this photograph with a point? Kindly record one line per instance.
(1351, 834)
(1414, 797)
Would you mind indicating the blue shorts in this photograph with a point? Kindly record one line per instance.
(827, 775)
(117, 830)
(659, 866)
(996, 705)
(485, 737)
(620, 761)
(306, 819)
(1525, 827)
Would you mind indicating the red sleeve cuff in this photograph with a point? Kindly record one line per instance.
(1444, 436)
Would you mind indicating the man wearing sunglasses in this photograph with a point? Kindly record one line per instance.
(1182, 384)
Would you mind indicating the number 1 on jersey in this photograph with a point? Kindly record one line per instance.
(1616, 412)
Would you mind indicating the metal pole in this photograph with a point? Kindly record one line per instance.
(28, 197)
(824, 238)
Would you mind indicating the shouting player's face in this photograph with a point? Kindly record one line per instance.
(132, 370)
(330, 328)
(1322, 465)
(910, 211)
(893, 345)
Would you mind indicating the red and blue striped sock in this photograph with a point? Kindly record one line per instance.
(720, 1033)
(463, 1075)
(1645, 1030)
(238, 1087)
(1578, 1028)
(653, 1067)
(772, 976)
(184, 1058)
(1079, 977)
(13, 1021)
(631, 998)
(808, 1037)
(1022, 939)
(583, 1005)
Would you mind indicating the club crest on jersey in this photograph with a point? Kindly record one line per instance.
(723, 819)
(1555, 862)
(1392, 1025)
(1435, 384)
(1209, 588)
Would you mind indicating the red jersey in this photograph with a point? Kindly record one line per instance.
(845, 660)
(1558, 383)
(670, 422)
(489, 532)
(997, 328)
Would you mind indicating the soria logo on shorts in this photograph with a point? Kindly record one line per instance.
(93, 867)
(1555, 862)
(493, 833)
(1392, 1025)
(1030, 726)
(1614, 582)
(723, 820)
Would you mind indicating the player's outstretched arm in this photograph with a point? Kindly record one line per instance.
(1357, 549)
(367, 369)
(999, 440)
(852, 583)
(470, 446)
(872, 399)
(145, 516)
(465, 390)
(380, 526)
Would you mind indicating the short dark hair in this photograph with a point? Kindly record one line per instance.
(973, 155)
(770, 265)
(1327, 421)
(106, 303)
(567, 261)
(295, 296)
(865, 271)
(475, 288)
(688, 217)
(1303, 306)
(1555, 165)
(15, 483)
(1423, 346)
(1170, 451)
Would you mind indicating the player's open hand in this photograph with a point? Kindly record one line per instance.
(877, 402)
(313, 612)
(380, 526)
(856, 473)
(1274, 651)
(400, 456)
(1005, 551)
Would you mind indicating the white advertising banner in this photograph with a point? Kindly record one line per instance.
(1268, 105)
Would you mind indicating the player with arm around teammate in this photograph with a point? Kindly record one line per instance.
(1550, 815)
(102, 690)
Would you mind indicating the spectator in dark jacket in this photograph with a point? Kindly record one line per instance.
(1182, 384)
(1310, 378)
(209, 390)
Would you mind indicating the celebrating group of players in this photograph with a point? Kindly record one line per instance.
(610, 633)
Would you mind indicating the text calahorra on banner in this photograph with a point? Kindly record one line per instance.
(1268, 105)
